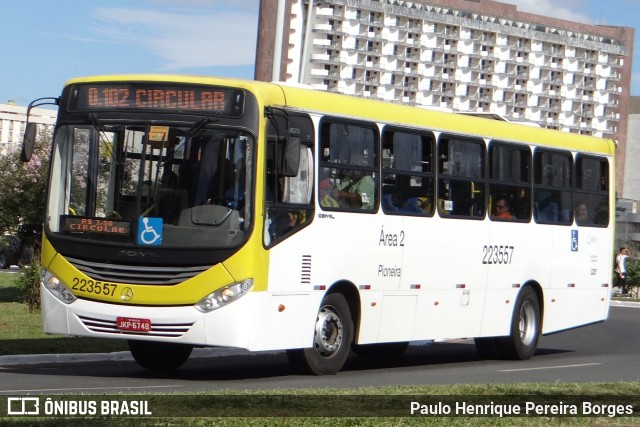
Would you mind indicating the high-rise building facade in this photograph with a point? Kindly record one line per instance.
(632, 154)
(13, 119)
(460, 55)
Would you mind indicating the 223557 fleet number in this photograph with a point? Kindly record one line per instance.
(94, 286)
(497, 254)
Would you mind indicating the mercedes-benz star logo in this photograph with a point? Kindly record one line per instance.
(127, 294)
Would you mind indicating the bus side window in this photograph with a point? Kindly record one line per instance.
(407, 173)
(592, 191)
(553, 192)
(461, 186)
(348, 162)
(510, 181)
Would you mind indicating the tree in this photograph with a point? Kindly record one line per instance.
(22, 194)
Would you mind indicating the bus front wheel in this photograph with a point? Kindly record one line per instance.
(332, 339)
(159, 356)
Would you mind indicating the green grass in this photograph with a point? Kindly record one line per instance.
(280, 407)
(21, 332)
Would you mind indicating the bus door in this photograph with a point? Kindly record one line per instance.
(288, 203)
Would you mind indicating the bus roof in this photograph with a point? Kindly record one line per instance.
(317, 101)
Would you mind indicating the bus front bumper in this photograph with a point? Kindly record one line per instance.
(179, 324)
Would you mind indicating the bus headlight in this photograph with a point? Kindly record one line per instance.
(224, 296)
(57, 288)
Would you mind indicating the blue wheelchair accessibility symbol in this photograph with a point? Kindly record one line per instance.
(149, 231)
(574, 240)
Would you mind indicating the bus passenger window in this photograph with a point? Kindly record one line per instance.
(348, 167)
(552, 194)
(407, 173)
(592, 191)
(461, 187)
(509, 182)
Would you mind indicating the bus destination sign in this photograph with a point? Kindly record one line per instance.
(157, 97)
(78, 224)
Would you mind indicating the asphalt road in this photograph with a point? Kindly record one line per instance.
(602, 352)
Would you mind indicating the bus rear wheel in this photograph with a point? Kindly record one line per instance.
(332, 339)
(525, 330)
(159, 356)
(525, 327)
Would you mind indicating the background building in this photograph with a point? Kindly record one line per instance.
(628, 206)
(460, 55)
(631, 188)
(13, 119)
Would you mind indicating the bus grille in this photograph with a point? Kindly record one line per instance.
(137, 274)
(172, 330)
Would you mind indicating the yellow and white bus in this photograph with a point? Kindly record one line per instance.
(191, 211)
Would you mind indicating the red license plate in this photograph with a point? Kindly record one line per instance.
(133, 324)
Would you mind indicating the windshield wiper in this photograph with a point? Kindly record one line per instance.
(198, 127)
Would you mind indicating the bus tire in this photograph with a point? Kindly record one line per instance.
(331, 341)
(383, 351)
(159, 356)
(525, 327)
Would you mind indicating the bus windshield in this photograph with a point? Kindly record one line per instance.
(144, 184)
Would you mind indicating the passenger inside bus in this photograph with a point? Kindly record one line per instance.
(501, 209)
(582, 213)
(357, 193)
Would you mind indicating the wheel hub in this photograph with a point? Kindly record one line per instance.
(527, 323)
(329, 332)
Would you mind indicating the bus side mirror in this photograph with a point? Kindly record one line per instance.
(28, 142)
(30, 131)
(290, 157)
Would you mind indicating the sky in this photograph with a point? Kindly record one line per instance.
(47, 42)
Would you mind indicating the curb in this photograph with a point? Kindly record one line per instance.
(34, 359)
(120, 356)
(624, 303)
